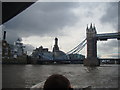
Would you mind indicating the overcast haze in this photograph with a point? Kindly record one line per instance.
(43, 21)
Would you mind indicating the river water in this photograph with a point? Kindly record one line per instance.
(25, 76)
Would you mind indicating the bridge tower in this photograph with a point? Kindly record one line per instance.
(91, 59)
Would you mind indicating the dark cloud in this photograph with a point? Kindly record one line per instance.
(42, 18)
(48, 18)
(111, 15)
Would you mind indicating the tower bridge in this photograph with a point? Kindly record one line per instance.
(91, 40)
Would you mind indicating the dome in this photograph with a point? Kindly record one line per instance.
(59, 55)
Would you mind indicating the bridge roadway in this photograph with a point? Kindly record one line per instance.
(106, 36)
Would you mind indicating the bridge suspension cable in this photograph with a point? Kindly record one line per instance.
(78, 48)
(81, 47)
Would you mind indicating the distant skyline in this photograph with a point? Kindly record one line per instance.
(39, 24)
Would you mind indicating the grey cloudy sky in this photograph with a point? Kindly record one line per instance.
(43, 21)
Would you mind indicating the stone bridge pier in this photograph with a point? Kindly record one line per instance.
(91, 59)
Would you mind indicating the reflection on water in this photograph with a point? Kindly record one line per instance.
(20, 76)
(92, 69)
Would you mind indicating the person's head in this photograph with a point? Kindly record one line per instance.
(57, 81)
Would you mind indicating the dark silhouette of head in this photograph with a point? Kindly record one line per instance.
(57, 81)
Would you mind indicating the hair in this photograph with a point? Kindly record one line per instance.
(57, 81)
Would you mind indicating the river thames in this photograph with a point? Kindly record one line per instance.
(26, 76)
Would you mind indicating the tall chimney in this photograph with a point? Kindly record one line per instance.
(4, 35)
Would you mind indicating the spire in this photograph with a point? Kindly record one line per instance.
(91, 26)
(94, 27)
(87, 27)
